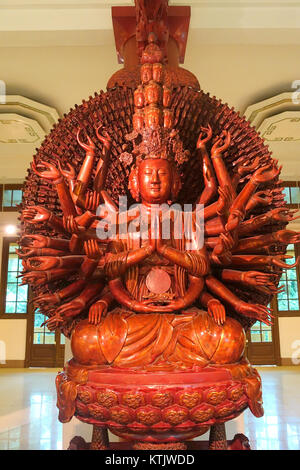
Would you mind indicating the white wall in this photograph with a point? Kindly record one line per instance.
(12, 331)
(289, 333)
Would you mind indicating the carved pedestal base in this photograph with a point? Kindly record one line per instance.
(99, 439)
(162, 446)
(217, 437)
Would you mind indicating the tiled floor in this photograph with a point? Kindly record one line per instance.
(28, 414)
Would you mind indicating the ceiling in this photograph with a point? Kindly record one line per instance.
(26, 23)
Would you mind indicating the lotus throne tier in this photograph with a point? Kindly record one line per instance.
(154, 236)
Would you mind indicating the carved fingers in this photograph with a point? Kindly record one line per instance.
(256, 278)
(92, 250)
(70, 173)
(266, 173)
(225, 200)
(41, 263)
(104, 137)
(36, 278)
(90, 146)
(204, 136)
(53, 322)
(34, 241)
(221, 144)
(97, 311)
(217, 311)
(71, 309)
(278, 261)
(259, 312)
(46, 299)
(36, 214)
(50, 173)
(287, 236)
(282, 214)
(70, 224)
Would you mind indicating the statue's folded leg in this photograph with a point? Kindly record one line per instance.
(125, 339)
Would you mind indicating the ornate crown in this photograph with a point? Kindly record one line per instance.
(153, 135)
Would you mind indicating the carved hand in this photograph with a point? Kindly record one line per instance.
(70, 173)
(46, 299)
(92, 249)
(36, 214)
(256, 278)
(203, 139)
(282, 214)
(35, 278)
(287, 236)
(265, 174)
(217, 311)
(34, 241)
(41, 263)
(224, 201)
(97, 311)
(53, 322)
(71, 309)
(259, 312)
(53, 174)
(221, 145)
(71, 225)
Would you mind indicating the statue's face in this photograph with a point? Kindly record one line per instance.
(155, 180)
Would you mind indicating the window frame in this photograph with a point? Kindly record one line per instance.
(291, 184)
(4, 271)
(9, 187)
(291, 313)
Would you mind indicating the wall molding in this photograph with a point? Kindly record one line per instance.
(287, 361)
(13, 364)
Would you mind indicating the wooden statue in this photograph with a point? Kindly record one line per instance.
(157, 323)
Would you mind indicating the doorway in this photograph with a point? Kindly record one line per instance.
(263, 342)
(44, 348)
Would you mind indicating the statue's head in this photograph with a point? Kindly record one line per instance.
(154, 146)
(154, 181)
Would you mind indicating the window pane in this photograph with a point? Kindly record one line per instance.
(286, 193)
(39, 318)
(12, 247)
(13, 263)
(267, 336)
(11, 292)
(38, 338)
(16, 197)
(49, 337)
(41, 333)
(62, 339)
(293, 289)
(22, 293)
(255, 337)
(295, 195)
(291, 274)
(7, 197)
(12, 276)
(21, 307)
(16, 295)
(294, 304)
(283, 305)
(10, 307)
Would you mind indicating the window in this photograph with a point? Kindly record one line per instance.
(14, 296)
(41, 334)
(288, 300)
(292, 193)
(11, 197)
(261, 333)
